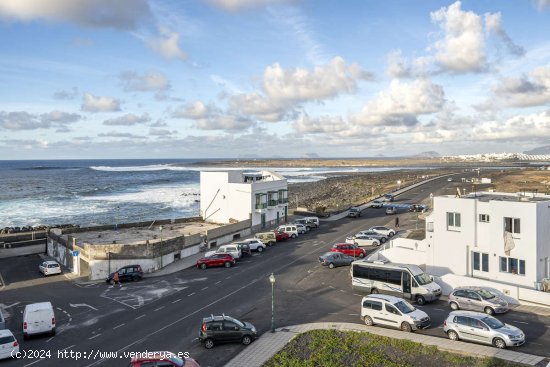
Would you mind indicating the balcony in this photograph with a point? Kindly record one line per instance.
(283, 200)
(273, 202)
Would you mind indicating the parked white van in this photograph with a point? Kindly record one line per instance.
(394, 312)
(313, 220)
(38, 318)
(290, 229)
(231, 249)
(403, 280)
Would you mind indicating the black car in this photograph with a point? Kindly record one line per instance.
(418, 208)
(245, 249)
(225, 329)
(126, 274)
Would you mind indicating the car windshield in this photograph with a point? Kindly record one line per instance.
(492, 322)
(423, 279)
(485, 294)
(404, 307)
(240, 324)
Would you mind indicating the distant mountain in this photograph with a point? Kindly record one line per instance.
(540, 150)
(310, 155)
(430, 154)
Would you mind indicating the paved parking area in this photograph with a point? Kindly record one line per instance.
(21, 268)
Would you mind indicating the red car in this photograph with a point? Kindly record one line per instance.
(349, 249)
(281, 236)
(163, 359)
(216, 260)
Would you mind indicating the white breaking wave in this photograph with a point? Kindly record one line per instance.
(154, 167)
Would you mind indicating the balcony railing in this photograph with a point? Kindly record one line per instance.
(283, 200)
(273, 202)
(261, 206)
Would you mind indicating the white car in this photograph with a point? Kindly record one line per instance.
(362, 241)
(290, 229)
(392, 311)
(301, 228)
(383, 230)
(9, 347)
(232, 250)
(255, 244)
(49, 268)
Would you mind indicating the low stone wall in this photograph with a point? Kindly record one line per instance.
(228, 229)
(21, 251)
(24, 236)
(132, 225)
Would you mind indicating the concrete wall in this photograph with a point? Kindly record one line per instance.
(214, 233)
(60, 252)
(25, 236)
(20, 251)
(131, 225)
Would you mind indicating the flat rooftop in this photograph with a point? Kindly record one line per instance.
(505, 196)
(137, 235)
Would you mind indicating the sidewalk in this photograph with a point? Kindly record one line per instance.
(178, 265)
(259, 352)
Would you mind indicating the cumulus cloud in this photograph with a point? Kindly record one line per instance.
(262, 107)
(120, 14)
(160, 132)
(116, 134)
(66, 94)
(21, 120)
(397, 65)
(517, 128)
(147, 82)
(167, 44)
(94, 104)
(542, 4)
(532, 89)
(462, 48)
(402, 103)
(209, 117)
(128, 119)
(493, 23)
(233, 5)
(319, 125)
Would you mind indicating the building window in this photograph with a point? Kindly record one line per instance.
(484, 218)
(481, 261)
(261, 201)
(512, 265)
(283, 196)
(512, 225)
(430, 226)
(453, 221)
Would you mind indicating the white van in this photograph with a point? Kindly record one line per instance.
(402, 280)
(392, 311)
(290, 229)
(231, 249)
(38, 318)
(313, 220)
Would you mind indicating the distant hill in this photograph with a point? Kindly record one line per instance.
(540, 150)
(310, 155)
(430, 154)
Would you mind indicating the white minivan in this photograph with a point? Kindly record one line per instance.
(290, 229)
(313, 220)
(231, 249)
(38, 318)
(392, 311)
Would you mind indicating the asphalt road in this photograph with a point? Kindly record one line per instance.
(165, 313)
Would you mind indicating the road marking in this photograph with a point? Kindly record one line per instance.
(59, 309)
(70, 319)
(353, 314)
(204, 288)
(343, 291)
(534, 343)
(317, 244)
(522, 322)
(330, 286)
(333, 313)
(218, 282)
(116, 327)
(439, 309)
(158, 309)
(139, 317)
(49, 339)
(13, 304)
(358, 295)
(81, 305)
(176, 301)
(189, 295)
(93, 337)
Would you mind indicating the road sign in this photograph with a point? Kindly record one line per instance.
(75, 253)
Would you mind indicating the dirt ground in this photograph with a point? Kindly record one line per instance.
(519, 180)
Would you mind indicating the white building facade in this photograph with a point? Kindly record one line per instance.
(231, 196)
(501, 237)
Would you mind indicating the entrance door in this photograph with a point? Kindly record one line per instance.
(406, 285)
(286, 213)
(263, 220)
(277, 217)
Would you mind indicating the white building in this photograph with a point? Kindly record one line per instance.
(231, 196)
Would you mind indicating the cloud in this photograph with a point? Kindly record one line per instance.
(493, 22)
(320, 125)
(209, 117)
(150, 81)
(462, 48)
(397, 65)
(66, 94)
(542, 4)
(528, 90)
(94, 104)
(284, 89)
(21, 120)
(120, 14)
(116, 134)
(167, 44)
(160, 132)
(233, 5)
(128, 119)
(402, 103)
(517, 128)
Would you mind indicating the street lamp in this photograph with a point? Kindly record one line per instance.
(160, 250)
(272, 281)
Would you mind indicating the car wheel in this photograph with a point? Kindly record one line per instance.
(209, 344)
(227, 264)
(331, 266)
(420, 300)
(406, 327)
(489, 311)
(499, 343)
(135, 278)
(383, 240)
(361, 255)
(454, 306)
(247, 339)
(391, 234)
(260, 248)
(368, 321)
(203, 266)
(374, 291)
(452, 335)
(294, 235)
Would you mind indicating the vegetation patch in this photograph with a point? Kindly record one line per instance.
(332, 348)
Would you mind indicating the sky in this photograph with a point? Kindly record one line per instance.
(100, 79)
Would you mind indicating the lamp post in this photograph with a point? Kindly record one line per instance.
(272, 281)
(160, 250)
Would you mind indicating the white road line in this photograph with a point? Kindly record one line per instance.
(439, 309)
(333, 313)
(218, 282)
(330, 286)
(95, 336)
(358, 295)
(70, 319)
(204, 288)
(139, 317)
(116, 327)
(189, 295)
(176, 301)
(522, 322)
(534, 343)
(59, 309)
(343, 291)
(158, 309)
(38, 360)
(49, 339)
(353, 314)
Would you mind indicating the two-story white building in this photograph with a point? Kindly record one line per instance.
(230, 196)
(502, 237)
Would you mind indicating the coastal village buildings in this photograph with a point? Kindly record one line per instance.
(234, 196)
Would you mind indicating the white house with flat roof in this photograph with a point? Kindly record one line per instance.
(230, 196)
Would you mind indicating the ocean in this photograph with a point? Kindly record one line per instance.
(95, 192)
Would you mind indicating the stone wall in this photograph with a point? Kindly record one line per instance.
(132, 225)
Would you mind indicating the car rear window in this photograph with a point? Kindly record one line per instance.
(6, 339)
(53, 266)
